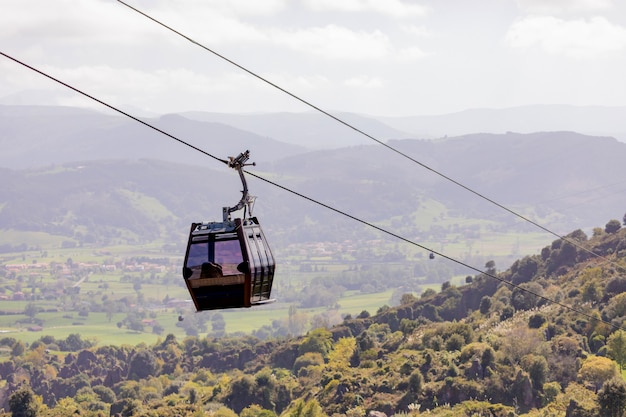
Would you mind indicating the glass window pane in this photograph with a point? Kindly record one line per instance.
(228, 255)
(198, 254)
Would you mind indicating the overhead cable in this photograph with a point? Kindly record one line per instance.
(327, 206)
(350, 126)
(114, 108)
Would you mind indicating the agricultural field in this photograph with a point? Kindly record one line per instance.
(61, 291)
(132, 293)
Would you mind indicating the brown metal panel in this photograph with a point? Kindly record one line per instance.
(245, 251)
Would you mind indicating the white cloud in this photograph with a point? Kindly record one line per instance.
(410, 54)
(335, 42)
(393, 8)
(417, 31)
(574, 38)
(364, 81)
(300, 83)
(107, 23)
(219, 29)
(563, 6)
(230, 7)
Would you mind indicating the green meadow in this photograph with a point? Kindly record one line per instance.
(90, 312)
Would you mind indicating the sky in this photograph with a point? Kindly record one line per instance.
(374, 57)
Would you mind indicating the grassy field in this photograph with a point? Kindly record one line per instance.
(103, 287)
(96, 326)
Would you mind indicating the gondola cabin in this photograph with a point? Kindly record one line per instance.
(229, 264)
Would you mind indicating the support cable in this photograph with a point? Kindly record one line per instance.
(195, 148)
(380, 142)
(457, 261)
(329, 207)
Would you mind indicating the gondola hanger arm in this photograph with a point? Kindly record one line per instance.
(238, 163)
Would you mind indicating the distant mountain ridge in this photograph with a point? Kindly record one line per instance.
(71, 134)
(567, 177)
(588, 120)
(35, 136)
(317, 131)
(311, 129)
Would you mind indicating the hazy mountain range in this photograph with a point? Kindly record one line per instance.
(315, 130)
(566, 179)
(311, 130)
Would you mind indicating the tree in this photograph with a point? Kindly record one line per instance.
(591, 291)
(524, 270)
(615, 308)
(339, 356)
(429, 292)
(488, 358)
(143, 364)
(617, 347)
(31, 310)
(296, 321)
(526, 295)
(73, 343)
(612, 398)
(105, 394)
(66, 407)
(416, 382)
(22, 403)
(537, 368)
(224, 412)
(596, 370)
(550, 391)
(306, 360)
(407, 299)
(363, 314)
(309, 409)
(536, 321)
(612, 226)
(242, 392)
(255, 410)
(485, 304)
(18, 348)
(455, 342)
(318, 340)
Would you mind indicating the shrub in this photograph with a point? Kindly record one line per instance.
(612, 226)
(536, 321)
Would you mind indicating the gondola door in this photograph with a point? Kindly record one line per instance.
(214, 269)
(258, 258)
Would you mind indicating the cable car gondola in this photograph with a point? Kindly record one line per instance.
(229, 264)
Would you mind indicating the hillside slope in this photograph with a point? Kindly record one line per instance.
(541, 339)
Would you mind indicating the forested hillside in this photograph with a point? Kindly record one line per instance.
(553, 177)
(545, 337)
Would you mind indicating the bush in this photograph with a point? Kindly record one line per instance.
(612, 397)
(536, 321)
(455, 342)
(306, 360)
(550, 391)
(612, 226)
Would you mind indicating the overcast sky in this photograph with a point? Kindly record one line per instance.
(377, 57)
